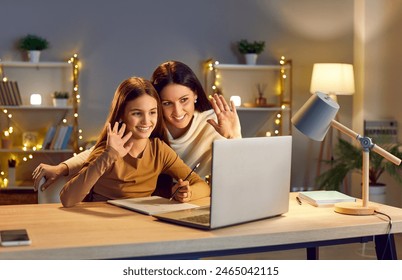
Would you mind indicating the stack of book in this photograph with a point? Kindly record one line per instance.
(57, 137)
(10, 93)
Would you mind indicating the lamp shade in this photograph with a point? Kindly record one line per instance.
(315, 117)
(333, 78)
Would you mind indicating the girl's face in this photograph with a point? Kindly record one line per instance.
(178, 108)
(141, 116)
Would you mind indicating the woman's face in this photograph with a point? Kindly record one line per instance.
(141, 116)
(178, 108)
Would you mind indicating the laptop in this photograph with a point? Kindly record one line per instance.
(250, 181)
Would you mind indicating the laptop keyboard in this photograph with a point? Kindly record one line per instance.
(201, 219)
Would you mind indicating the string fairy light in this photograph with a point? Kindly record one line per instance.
(77, 133)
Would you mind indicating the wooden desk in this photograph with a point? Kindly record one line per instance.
(103, 231)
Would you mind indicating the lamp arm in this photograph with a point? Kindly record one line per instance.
(345, 129)
(395, 160)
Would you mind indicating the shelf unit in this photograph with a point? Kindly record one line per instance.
(44, 78)
(243, 80)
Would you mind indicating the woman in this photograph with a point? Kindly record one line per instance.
(126, 165)
(193, 122)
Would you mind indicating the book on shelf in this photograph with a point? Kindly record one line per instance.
(67, 137)
(6, 98)
(57, 137)
(48, 138)
(10, 94)
(325, 198)
(60, 137)
(3, 99)
(16, 92)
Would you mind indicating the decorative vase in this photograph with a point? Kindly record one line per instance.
(377, 193)
(34, 56)
(60, 102)
(251, 58)
(11, 176)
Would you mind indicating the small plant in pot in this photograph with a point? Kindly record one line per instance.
(60, 98)
(251, 50)
(348, 158)
(33, 44)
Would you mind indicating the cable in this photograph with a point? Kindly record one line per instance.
(388, 234)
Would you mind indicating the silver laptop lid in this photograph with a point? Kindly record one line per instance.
(250, 179)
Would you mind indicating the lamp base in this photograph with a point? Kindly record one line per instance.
(354, 208)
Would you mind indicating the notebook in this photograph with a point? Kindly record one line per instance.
(151, 205)
(325, 198)
(250, 181)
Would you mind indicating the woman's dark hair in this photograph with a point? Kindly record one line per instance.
(129, 90)
(175, 72)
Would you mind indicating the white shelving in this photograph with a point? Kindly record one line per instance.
(44, 78)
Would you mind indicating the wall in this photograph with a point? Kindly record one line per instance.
(119, 39)
(376, 49)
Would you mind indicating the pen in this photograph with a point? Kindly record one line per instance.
(298, 200)
(191, 172)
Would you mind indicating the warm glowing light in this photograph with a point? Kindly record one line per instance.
(36, 99)
(268, 134)
(236, 100)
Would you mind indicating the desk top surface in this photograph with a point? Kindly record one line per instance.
(99, 230)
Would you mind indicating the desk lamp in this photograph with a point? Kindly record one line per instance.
(314, 119)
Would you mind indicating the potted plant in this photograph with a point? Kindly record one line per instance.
(33, 44)
(60, 98)
(348, 158)
(251, 50)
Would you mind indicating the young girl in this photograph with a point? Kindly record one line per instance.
(127, 160)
